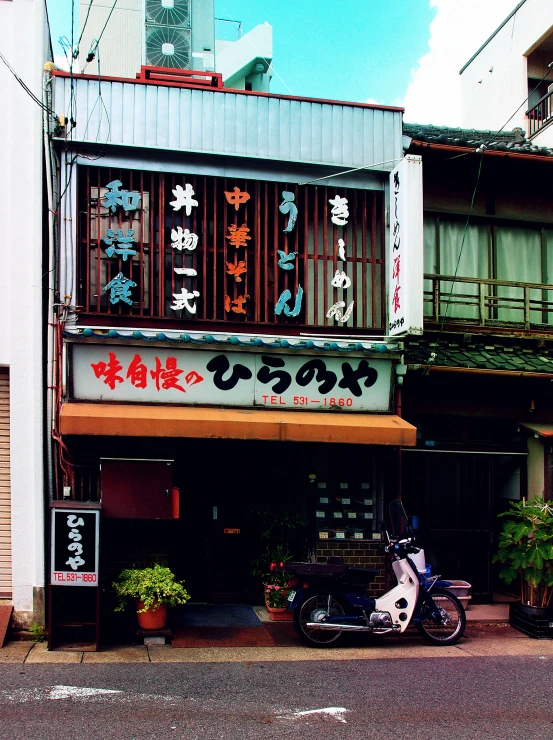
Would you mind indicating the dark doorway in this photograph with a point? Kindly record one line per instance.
(457, 497)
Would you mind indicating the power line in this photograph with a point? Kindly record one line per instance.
(94, 46)
(83, 28)
(25, 87)
(433, 354)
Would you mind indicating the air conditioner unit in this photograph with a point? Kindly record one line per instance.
(168, 13)
(168, 47)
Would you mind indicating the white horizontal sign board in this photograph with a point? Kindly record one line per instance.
(181, 376)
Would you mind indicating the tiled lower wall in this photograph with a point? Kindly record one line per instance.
(362, 554)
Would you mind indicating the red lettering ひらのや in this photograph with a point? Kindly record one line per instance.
(167, 376)
(108, 370)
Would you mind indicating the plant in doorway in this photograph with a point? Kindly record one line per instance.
(153, 589)
(525, 550)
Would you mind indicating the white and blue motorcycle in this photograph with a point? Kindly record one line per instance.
(331, 600)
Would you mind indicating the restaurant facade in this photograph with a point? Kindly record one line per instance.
(228, 345)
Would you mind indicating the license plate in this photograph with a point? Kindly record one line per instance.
(291, 596)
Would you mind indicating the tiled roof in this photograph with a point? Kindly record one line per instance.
(505, 141)
(513, 358)
(239, 340)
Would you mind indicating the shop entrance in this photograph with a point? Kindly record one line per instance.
(457, 497)
(225, 500)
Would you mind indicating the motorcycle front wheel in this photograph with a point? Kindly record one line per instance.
(446, 627)
(315, 609)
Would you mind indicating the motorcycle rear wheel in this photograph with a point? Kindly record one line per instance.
(312, 609)
(451, 627)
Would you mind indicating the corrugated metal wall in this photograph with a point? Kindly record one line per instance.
(5, 490)
(216, 122)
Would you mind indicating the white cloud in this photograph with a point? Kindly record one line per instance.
(458, 30)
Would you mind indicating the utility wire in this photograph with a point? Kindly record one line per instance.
(25, 87)
(95, 42)
(433, 354)
(75, 55)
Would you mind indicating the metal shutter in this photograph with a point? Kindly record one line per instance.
(5, 494)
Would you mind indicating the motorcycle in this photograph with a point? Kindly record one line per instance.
(331, 600)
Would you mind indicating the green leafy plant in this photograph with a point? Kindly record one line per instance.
(38, 632)
(525, 549)
(274, 537)
(152, 586)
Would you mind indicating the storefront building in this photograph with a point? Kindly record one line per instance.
(478, 382)
(224, 348)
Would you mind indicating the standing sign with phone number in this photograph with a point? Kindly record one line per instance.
(75, 545)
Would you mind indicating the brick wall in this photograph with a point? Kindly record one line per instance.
(362, 554)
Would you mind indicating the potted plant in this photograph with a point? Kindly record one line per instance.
(276, 602)
(525, 550)
(153, 589)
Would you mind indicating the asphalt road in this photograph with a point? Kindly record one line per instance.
(504, 698)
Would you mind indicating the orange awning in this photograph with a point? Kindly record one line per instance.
(215, 423)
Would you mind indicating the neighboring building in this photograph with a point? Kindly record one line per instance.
(117, 40)
(226, 320)
(509, 80)
(478, 385)
(23, 288)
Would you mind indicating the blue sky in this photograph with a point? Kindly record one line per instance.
(356, 50)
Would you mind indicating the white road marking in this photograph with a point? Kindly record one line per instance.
(336, 713)
(78, 693)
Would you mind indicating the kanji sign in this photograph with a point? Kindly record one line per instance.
(405, 252)
(75, 544)
(207, 377)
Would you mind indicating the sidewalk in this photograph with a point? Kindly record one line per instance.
(487, 635)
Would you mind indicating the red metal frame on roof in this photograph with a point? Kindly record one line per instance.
(162, 83)
(180, 77)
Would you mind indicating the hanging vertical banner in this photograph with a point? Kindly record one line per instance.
(405, 251)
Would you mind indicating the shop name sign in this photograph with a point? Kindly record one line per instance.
(199, 377)
(405, 253)
(75, 542)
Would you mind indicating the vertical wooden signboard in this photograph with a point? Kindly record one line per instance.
(74, 576)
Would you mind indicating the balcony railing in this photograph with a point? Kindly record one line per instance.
(490, 303)
(540, 115)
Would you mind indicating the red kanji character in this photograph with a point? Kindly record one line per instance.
(109, 370)
(396, 269)
(193, 377)
(138, 372)
(169, 375)
(395, 299)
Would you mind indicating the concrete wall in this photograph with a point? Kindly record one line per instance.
(21, 270)
(495, 83)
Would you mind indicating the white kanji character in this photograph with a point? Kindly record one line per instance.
(341, 280)
(183, 239)
(75, 562)
(340, 210)
(183, 197)
(182, 300)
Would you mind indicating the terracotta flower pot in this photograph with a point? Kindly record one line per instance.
(153, 618)
(281, 614)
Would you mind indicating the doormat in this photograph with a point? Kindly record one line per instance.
(5, 614)
(217, 615)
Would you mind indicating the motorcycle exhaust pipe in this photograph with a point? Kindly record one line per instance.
(339, 627)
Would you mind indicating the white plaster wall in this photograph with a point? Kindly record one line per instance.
(536, 482)
(490, 98)
(21, 271)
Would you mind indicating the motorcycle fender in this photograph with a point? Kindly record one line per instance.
(300, 593)
(441, 584)
(407, 588)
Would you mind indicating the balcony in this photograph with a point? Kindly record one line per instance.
(541, 115)
(510, 306)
